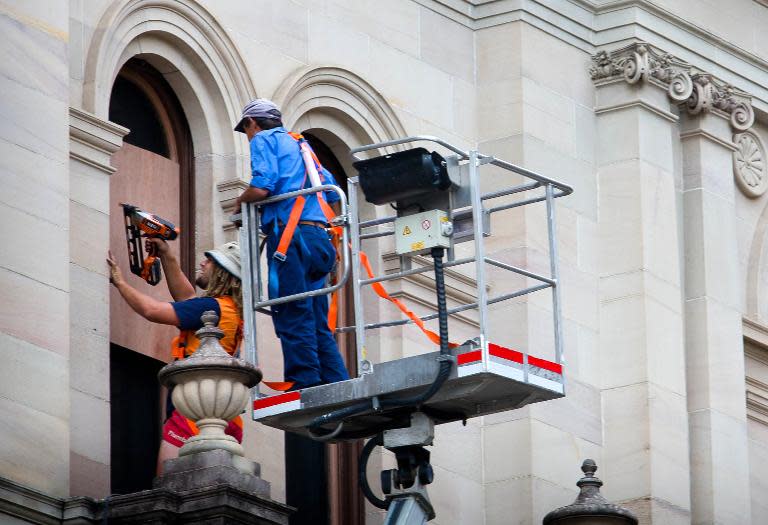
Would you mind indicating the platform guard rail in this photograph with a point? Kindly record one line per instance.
(354, 230)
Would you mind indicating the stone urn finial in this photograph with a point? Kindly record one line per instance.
(590, 507)
(211, 388)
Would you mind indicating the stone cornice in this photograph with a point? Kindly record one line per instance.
(589, 26)
(757, 400)
(228, 192)
(37, 507)
(459, 288)
(94, 140)
(699, 92)
(756, 333)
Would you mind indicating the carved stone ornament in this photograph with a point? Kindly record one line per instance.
(749, 164)
(211, 388)
(590, 507)
(700, 92)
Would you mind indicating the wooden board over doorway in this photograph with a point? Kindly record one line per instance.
(150, 181)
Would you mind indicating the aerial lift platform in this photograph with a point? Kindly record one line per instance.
(439, 204)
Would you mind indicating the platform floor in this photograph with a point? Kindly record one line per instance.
(505, 380)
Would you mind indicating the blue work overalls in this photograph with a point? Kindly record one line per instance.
(310, 354)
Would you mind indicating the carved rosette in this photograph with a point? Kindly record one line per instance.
(749, 164)
(699, 92)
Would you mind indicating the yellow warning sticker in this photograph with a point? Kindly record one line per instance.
(406, 231)
(417, 246)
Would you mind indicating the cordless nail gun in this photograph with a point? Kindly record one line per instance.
(142, 224)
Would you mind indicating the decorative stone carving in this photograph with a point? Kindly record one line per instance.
(590, 506)
(749, 164)
(210, 387)
(710, 92)
(699, 91)
(92, 140)
(640, 62)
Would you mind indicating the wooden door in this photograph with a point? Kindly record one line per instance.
(154, 173)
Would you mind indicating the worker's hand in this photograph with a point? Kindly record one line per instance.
(160, 247)
(115, 275)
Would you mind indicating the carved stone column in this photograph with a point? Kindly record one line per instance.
(720, 491)
(642, 353)
(711, 112)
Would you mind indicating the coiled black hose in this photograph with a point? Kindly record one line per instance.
(442, 306)
(362, 472)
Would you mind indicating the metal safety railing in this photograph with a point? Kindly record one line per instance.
(354, 231)
(552, 190)
(253, 291)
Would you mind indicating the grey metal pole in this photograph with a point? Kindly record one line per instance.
(364, 366)
(477, 225)
(255, 223)
(405, 511)
(249, 312)
(555, 275)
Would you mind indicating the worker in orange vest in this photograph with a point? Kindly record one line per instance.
(219, 278)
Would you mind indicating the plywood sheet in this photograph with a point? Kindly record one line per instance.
(151, 182)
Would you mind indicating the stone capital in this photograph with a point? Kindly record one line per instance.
(228, 192)
(698, 91)
(94, 140)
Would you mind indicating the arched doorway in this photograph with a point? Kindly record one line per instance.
(154, 172)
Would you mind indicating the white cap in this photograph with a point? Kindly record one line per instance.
(228, 257)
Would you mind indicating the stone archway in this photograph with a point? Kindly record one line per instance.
(361, 113)
(205, 70)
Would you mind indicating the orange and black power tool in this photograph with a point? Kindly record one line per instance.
(140, 224)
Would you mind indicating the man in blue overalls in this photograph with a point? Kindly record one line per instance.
(310, 354)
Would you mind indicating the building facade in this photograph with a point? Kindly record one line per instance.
(656, 112)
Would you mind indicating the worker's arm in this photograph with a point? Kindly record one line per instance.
(264, 172)
(178, 284)
(251, 195)
(144, 305)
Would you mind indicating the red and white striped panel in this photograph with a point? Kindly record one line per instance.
(546, 374)
(505, 362)
(271, 405)
(509, 363)
(470, 363)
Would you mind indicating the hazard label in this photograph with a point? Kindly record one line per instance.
(406, 231)
(426, 224)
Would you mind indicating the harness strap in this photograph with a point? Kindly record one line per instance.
(298, 205)
(381, 292)
(290, 228)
